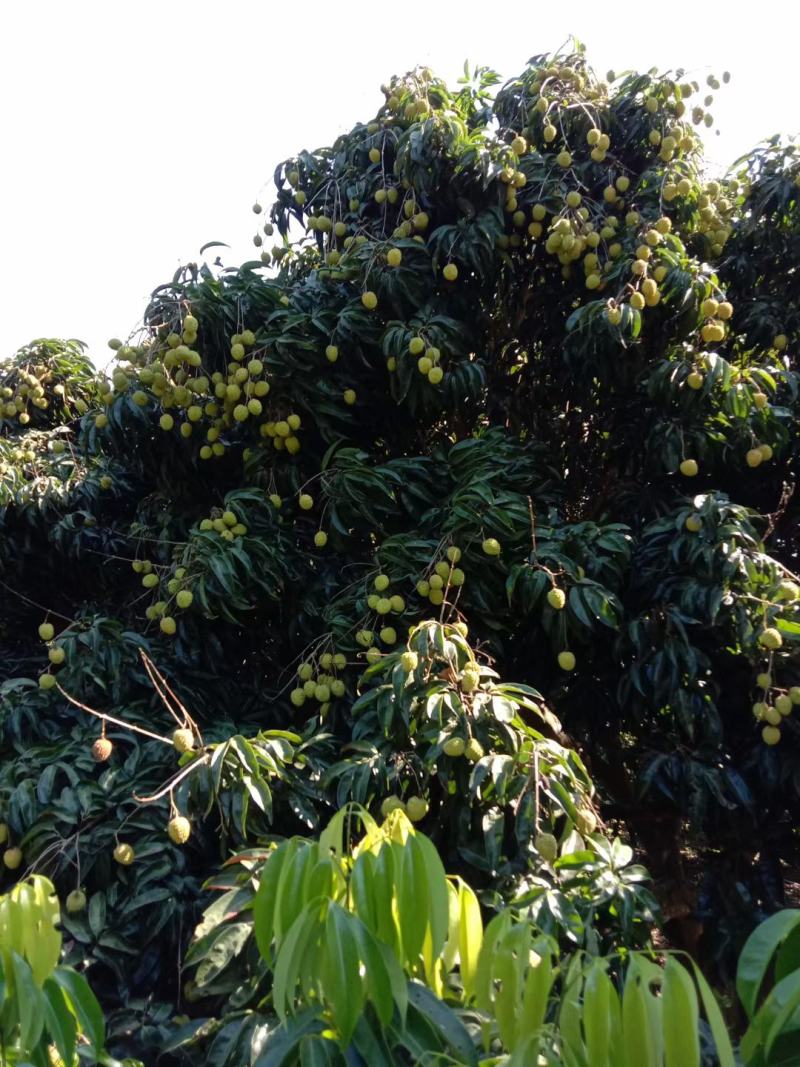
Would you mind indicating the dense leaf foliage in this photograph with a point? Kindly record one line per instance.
(473, 495)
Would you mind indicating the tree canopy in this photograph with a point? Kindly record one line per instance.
(471, 496)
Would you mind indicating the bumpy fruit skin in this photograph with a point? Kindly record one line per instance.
(409, 660)
(454, 747)
(124, 854)
(566, 660)
(183, 740)
(473, 750)
(102, 749)
(47, 681)
(56, 656)
(470, 680)
(179, 829)
(556, 598)
(416, 808)
(76, 901)
(771, 735)
(320, 539)
(491, 546)
(547, 847)
(46, 631)
(770, 638)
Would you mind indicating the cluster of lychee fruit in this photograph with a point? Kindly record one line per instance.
(442, 576)
(56, 654)
(180, 595)
(318, 680)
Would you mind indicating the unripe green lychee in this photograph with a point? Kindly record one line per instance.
(76, 901)
(416, 808)
(770, 638)
(391, 804)
(454, 747)
(547, 846)
(12, 858)
(473, 750)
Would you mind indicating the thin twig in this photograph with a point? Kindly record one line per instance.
(35, 604)
(184, 772)
(157, 680)
(110, 718)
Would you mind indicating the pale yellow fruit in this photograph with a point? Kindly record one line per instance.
(12, 858)
(179, 829)
(566, 661)
(124, 854)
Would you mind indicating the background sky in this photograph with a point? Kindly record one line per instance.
(131, 133)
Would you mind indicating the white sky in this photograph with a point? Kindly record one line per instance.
(132, 132)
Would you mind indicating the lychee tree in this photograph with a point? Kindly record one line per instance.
(487, 462)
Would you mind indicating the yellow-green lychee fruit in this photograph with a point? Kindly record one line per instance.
(183, 739)
(416, 808)
(76, 901)
(12, 858)
(547, 846)
(566, 660)
(179, 829)
(473, 750)
(770, 638)
(556, 598)
(454, 747)
(124, 854)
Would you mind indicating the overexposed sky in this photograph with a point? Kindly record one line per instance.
(133, 132)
